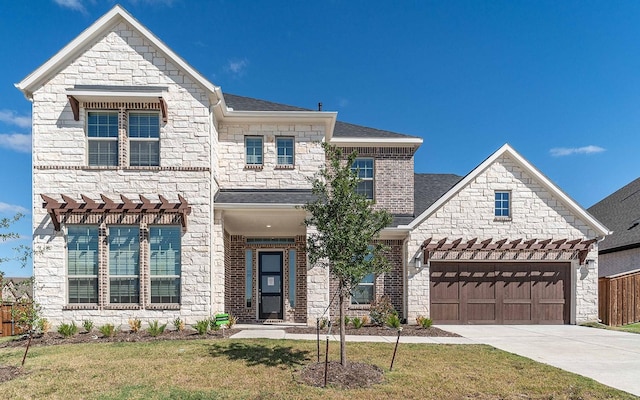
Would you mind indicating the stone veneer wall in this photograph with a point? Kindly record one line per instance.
(389, 284)
(123, 57)
(393, 176)
(308, 158)
(536, 214)
(235, 275)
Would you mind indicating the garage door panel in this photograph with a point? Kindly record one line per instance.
(502, 292)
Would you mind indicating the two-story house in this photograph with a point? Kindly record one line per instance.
(158, 196)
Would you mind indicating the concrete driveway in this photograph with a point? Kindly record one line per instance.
(609, 357)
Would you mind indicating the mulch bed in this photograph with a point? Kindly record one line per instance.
(54, 338)
(371, 330)
(354, 376)
(8, 372)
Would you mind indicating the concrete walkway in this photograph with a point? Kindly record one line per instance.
(609, 357)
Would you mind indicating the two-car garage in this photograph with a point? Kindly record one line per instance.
(500, 292)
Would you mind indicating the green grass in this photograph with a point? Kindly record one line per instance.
(266, 369)
(631, 328)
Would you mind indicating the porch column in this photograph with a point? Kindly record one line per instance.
(217, 267)
(317, 289)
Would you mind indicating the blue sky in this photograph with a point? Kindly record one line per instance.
(559, 81)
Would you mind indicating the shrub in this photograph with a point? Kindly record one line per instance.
(155, 328)
(107, 330)
(232, 321)
(202, 326)
(393, 321)
(87, 324)
(135, 324)
(357, 322)
(424, 322)
(381, 310)
(68, 330)
(324, 322)
(347, 320)
(44, 325)
(178, 324)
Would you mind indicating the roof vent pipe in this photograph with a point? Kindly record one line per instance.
(320, 106)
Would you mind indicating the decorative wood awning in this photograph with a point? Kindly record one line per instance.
(88, 206)
(505, 250)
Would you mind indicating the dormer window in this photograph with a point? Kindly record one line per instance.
(502, 205)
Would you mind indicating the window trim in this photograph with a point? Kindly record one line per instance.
(293, 152)
(254, 165)
(501, 208)
(131, 140)
(161, 277)
(115, 139)
(83, 276)
(366, 179)
(124, 277)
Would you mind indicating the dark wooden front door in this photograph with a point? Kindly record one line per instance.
(270, 281)
(500, 293)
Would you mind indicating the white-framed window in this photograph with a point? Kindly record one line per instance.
(124, 265)
(502, 204)
(364, 291)
(144, 139)
(165, 263)
(285, 147)
(364, 168)
(253, 150)
(102, 138)
(82, 264)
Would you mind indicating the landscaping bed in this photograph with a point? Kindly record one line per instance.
(372, 330)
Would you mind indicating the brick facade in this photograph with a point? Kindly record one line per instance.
(236, 247)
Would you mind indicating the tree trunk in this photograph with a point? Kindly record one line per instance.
(343, 344)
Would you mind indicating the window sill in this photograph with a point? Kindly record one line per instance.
(169, 306)
(285, 166)
(257, 167)
(502, 219)
(359, 306)
(69, 307)
(122, 307)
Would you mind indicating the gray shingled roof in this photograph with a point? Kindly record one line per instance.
(620, 212)
(342, 129)
(428, 188)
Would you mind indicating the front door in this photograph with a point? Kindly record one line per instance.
(270, 290)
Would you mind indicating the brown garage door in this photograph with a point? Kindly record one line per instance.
(500, 293)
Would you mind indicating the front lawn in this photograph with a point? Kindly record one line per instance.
(267, 369)
(631, 328)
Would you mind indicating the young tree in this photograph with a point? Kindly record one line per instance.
(346, 227)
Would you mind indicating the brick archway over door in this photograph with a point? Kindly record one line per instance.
(500, 292)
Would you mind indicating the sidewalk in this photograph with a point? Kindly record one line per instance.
(277, 332)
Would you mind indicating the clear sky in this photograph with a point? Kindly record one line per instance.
(558, 80)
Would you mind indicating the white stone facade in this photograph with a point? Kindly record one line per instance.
(536, 214)
(123, 57)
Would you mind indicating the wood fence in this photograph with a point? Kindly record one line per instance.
(7, 326)
(619, 299)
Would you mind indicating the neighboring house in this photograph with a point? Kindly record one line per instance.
(15, 290)
(619, 256)
(620, 211)
(158, 196)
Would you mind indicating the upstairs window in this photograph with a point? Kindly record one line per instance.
(102, 134)
(144, 139)
(364, 168)
(285, 148)
(253, 150)
(502, 205)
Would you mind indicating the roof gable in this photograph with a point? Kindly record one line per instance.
(620, 211)
(508, 151)
(117, 14)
